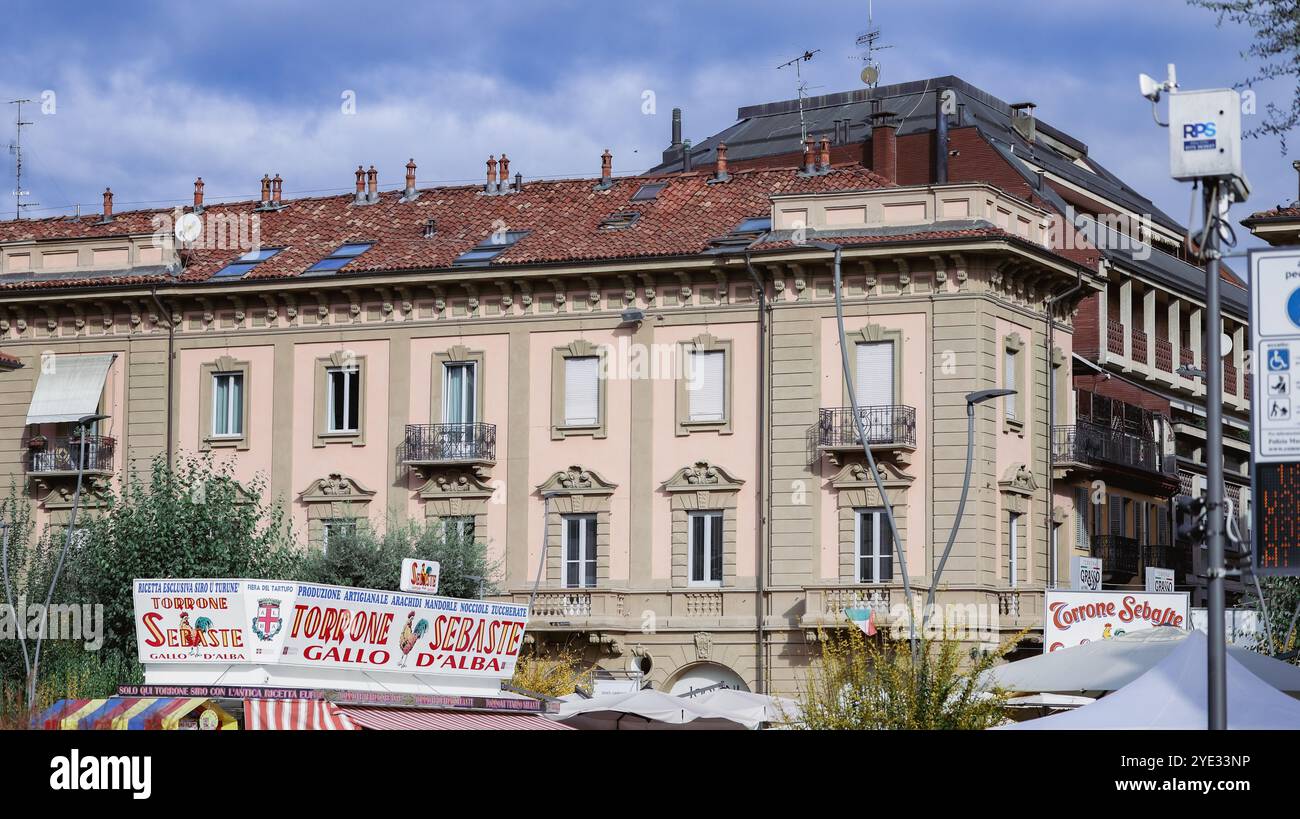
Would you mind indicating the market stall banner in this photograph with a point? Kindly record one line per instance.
(318, 626)
(1073, 618)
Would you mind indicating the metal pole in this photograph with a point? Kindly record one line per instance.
(1216, 661)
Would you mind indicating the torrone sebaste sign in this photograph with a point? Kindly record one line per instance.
(1073, 618)
(316, 626)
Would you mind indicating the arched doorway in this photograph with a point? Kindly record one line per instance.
(703, 675)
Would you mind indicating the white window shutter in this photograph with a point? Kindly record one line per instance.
(706, 385)
(874, 378)
(1009, 381)
(581, 391)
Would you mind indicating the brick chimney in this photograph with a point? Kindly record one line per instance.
(720, 170)
(276, 183)
(372, 185)
(360, 196)
(108, 204)
(198, 195)
(809, 160)
(884, 145)
(824, 154)
(410, 179)
(491, 174)
(503, 174)
(606, 168)
(266, 189)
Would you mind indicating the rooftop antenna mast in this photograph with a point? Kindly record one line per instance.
(16, 148)
(803, 87)
(867, 40)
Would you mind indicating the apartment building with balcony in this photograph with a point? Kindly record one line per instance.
(629, 388)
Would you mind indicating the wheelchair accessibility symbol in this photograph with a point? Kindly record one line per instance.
(1279, 359)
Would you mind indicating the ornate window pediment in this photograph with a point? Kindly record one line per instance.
(455, 485)
(857, 476)
(336, 487)
(702, 475)
(1019, 480)
(577, 481)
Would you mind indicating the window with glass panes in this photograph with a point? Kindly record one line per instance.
(343, 385)
(874, 547)
(579, 551)
(227, 405)
(457, 528)
(705, 547)
(337, 530)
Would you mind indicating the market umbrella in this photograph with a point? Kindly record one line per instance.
(645, 710)
(1108, 665)
(748, 708)
(1172, 696)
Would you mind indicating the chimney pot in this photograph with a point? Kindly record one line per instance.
(491, 173)
(266, 188)
(198, 193)
(606, 167)
(372, 183)
(276, 184)
(410, 176)
(677, 128)
(519, 182)
(809, 159)
(361, 180)
(721, 173)
(824, 159)
(108, 203)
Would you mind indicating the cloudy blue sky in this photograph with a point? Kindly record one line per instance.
(149, 95)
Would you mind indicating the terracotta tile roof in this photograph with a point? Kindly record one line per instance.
(562, 219)
(1280, 212)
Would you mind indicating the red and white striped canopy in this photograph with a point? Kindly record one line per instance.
(404, 719)
(295, 715)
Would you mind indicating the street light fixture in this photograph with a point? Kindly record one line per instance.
(84, 423)
(972, 399)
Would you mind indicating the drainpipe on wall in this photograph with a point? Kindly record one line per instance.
(171, 367)
(763, 483)
(1049, 304)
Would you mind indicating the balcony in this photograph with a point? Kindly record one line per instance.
(1164, 355)
(438, 444)
(887, 427)
(1115, 338)
(1139, 346)
(1096, 445)
(69, 454)
(1125, 556)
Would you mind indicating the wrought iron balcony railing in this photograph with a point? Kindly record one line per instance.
(449, 443)
(1124, 555)
(1094, 444)
(68, 454)
(891, 425)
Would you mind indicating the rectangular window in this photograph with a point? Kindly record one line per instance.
(582, 391)
(343, 399)
(1013, 547)
(874, 551)
(579, 551)
(1082, 520)
(705, 547)
(457, 528)
(706, 385)
(1009, 365)
(337, 530)
(340, 257)
(227, 405)
(873, 384)
(459, 393)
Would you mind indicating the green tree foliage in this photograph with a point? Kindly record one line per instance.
(1275, 49)
(872, 683)
(373, 560)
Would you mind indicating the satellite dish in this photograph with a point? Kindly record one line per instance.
(189, 227)
(870, 75)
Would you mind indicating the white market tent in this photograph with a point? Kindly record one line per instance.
(1172, 696)
(650, 710)
(1109, 665)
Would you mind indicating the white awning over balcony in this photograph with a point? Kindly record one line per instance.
(69, 388)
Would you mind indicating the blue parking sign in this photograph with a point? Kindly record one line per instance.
(1279, 358)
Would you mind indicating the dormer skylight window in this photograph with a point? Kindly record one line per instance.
(649, 191)
(485, 251)
(744, 233)
(620, 221)
(340, 257)
(246, 262)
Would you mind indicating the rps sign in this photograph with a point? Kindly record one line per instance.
(1074, 618)
(301, 624)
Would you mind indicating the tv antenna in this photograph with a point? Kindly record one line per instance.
(802, 87)
(871, 71)
(16, 148)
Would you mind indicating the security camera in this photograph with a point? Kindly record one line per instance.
(1149, 87)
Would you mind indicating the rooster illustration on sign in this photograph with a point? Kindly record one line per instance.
(411, 634)
(193, 635)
